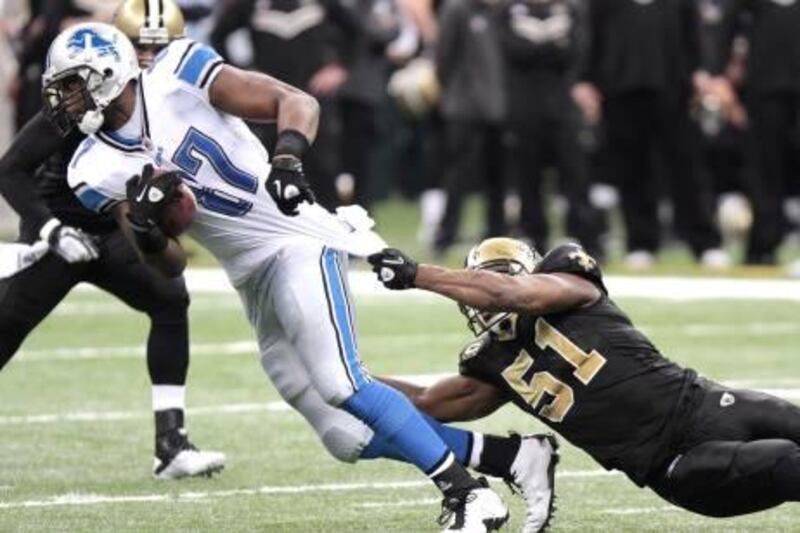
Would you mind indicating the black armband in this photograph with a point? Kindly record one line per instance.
(150, 241)
(292, 142)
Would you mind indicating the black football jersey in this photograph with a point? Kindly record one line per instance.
(588, 373)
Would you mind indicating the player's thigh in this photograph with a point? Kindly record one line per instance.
(121, 272)
(311, 300)
(727, 478)
(29, 296)
(744, 415)
(342, 434)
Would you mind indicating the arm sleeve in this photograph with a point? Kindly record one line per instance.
(195, 66)
(99, 191)
(446, 46)
(32, 146)
(690, 20)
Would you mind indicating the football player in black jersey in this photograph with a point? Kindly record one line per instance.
(85, 247)
(550, 340)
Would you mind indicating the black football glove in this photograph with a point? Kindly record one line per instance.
(395, 269)
(287, 184)
(148, 195)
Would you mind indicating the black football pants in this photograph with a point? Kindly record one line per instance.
(29, 296)
(538, 142)
(640, 126)
(775, 140)
(472, 149)
(741, 455)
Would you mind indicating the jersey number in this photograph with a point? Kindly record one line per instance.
(587, 365)
(198, 147)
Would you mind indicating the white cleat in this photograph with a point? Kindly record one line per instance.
(478, 511)
(176, 458)
(533, 475)
(189, 463)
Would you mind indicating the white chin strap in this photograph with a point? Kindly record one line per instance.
(91, 121)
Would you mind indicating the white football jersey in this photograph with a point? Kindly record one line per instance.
(175, 127)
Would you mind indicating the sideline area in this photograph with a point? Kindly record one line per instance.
(213, 280)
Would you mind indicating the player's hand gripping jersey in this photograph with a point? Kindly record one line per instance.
(175, 127)
(588, 373)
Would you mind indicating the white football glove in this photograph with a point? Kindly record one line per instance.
(71, 244)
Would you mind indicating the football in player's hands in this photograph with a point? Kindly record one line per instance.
(177, 216)
(159, 199)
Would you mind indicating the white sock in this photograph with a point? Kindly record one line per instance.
(477, 450)
(169, 397)
(447, 463)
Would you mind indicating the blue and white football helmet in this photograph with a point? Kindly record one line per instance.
(88, 66)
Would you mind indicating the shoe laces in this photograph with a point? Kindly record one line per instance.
(453, 505)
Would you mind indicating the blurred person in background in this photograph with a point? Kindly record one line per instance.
(70, 244)
(295, 41)
(199, 17)
(13, 15)
(773, 106)
(637, 73)
(539, 45)
(469, 64)
(368, 29)
(723, 124)
(47, 18)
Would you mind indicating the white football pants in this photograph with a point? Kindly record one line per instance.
(299, 306)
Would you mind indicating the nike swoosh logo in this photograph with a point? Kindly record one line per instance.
(141, 195)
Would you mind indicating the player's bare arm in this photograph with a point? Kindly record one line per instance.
(486, 290)
(255, 96)
(537, 294)
(452, 399)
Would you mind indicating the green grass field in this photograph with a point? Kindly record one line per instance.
(87, 467)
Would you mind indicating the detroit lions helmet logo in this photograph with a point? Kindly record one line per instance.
(87, 38)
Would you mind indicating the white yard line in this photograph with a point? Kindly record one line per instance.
(400, 503)
(246, 408)
(78, 499)
(247, 347)
(669, 288)
(244, 347)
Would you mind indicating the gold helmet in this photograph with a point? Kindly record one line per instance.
(503, 255)
(149, 22)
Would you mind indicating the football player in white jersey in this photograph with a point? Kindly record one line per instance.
(286, 256)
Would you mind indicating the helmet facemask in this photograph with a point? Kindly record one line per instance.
(68, 98)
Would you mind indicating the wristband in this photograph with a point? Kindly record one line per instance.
(291, 142)
(47, 229)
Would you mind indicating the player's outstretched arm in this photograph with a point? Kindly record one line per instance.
(453, 399)
(537, 294)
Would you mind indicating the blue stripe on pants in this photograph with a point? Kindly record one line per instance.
(341, 316)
